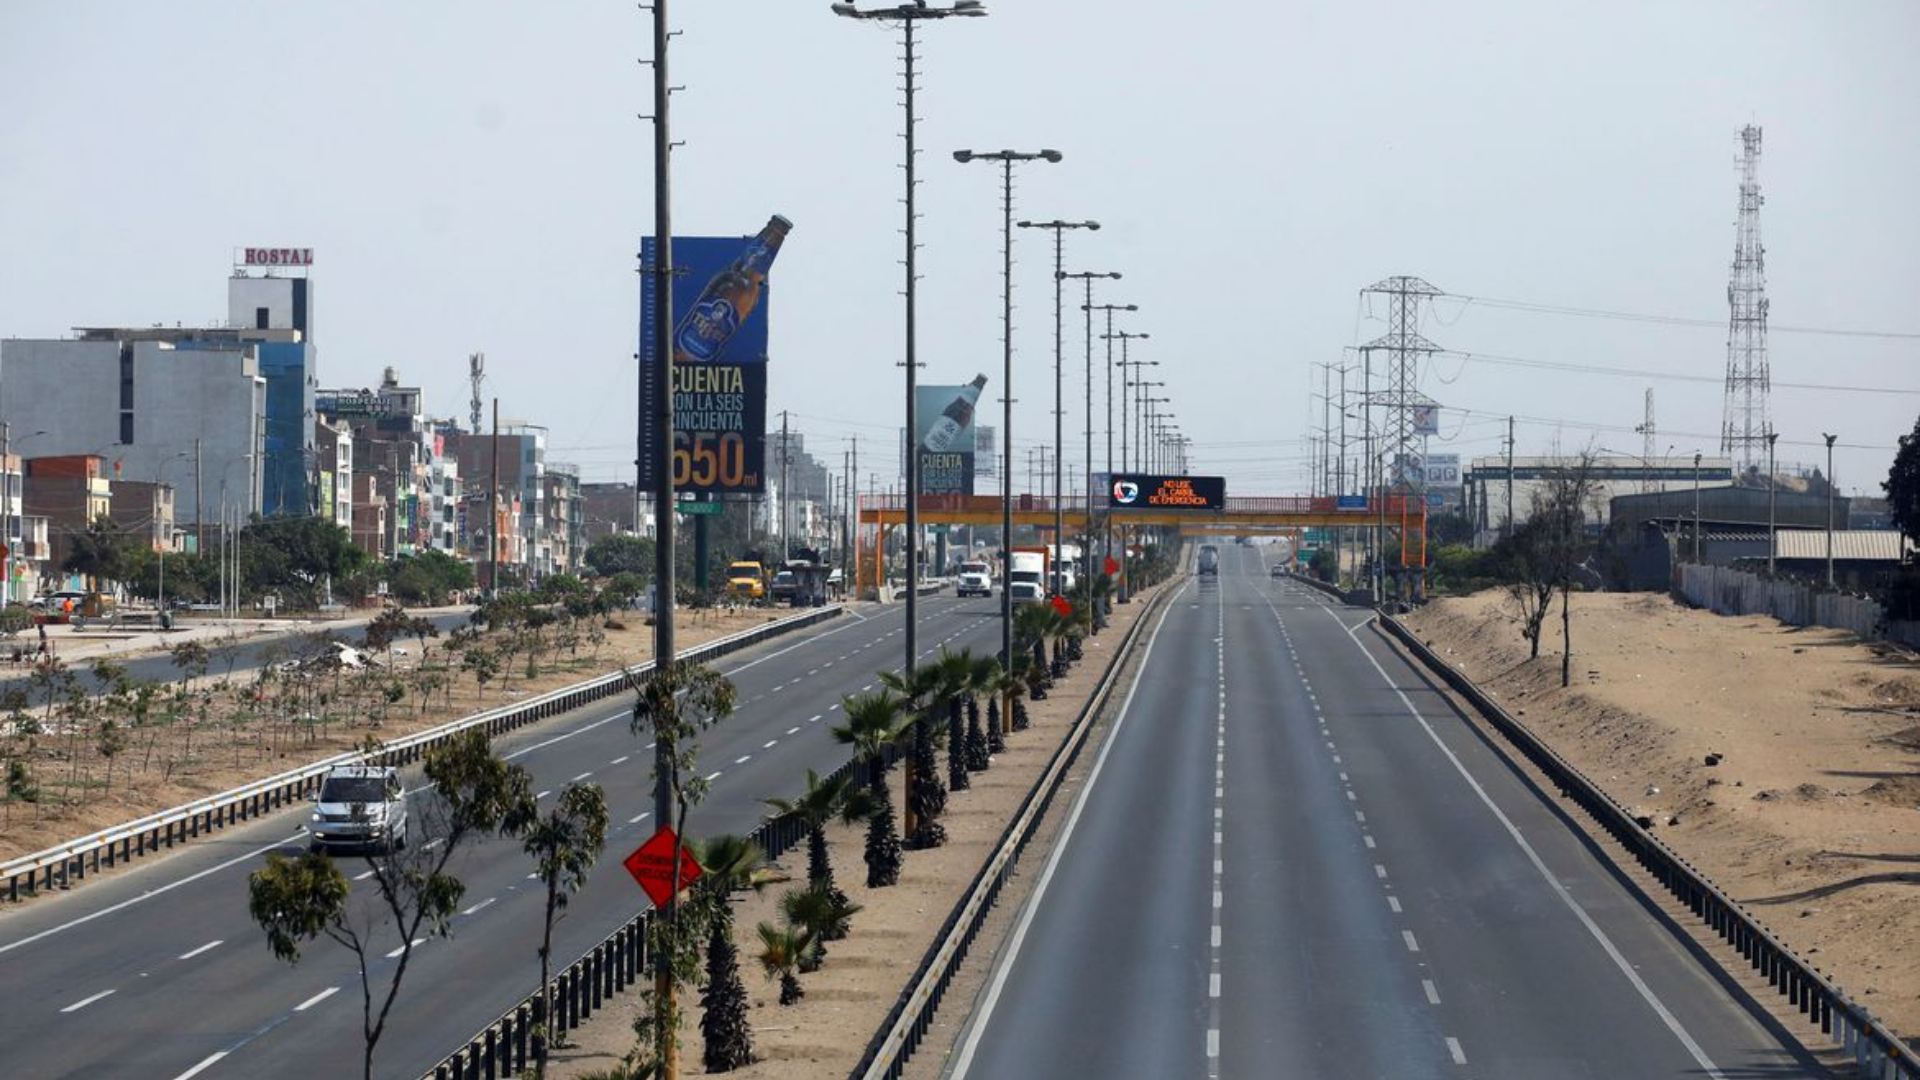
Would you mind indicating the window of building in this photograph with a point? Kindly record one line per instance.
(126, 429)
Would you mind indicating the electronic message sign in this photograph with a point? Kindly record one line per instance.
(1138, 491)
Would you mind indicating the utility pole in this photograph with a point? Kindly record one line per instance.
(1773, 491)
(200, 510)
(1509, 528)
(786, 503)
(1830, 439)
(1696, 504)
(493, 510)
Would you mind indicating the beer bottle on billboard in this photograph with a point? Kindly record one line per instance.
(955, 418)
(729, 298)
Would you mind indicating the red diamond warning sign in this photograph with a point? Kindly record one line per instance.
(651, 865)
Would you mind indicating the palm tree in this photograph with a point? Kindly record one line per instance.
(731, 863)
(821, 915)
(982, 673)
(873, 728)
(1015, 683)
(1032, 628)
(782, 951)
(955, 674)
(926, 796)
(819, 804)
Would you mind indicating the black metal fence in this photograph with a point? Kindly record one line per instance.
(1877, 1052)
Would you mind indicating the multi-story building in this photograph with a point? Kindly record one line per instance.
(519, 452)
(333, 455)
(144, 509)
(20, 575)
(166, 406)
(609, 508)
(563, 541)
(71, 492)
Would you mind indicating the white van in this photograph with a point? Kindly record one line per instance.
(359, 806)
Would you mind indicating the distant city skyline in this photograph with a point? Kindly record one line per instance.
(472, 177)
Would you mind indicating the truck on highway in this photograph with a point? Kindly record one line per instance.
(975, 579)
(746, 580)
(1027, 576)
(1209, 560)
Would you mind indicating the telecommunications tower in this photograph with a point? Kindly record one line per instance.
(1744, 431)
(477, 375)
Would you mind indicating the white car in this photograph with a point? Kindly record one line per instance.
(976, 579)
(359, 806)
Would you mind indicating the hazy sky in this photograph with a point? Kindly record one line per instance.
(472, 175)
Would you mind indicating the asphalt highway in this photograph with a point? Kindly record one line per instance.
(1294, 859)
(158, 973)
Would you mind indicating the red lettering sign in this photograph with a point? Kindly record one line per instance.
(651, 864)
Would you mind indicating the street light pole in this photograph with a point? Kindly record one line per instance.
(1125, 365)
(1007, 160)
(907, 15)
(1773, 488)
(1086, 554)
(1107, 518)
(1830, 439)
(1696, 505)
(1059, 229)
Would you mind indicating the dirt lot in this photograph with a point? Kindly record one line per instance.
(823, 1036)
(1812, 815)
(219, 736)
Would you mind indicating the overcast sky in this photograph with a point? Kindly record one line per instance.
(472, 175)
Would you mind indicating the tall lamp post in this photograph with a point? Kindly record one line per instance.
(1127, 363)
(1107, 519)
(1696, 505)
(1830, 439)
(908, 15)
(1059, 229)
(1007, 160)
(1773, 488)
(1086, 555)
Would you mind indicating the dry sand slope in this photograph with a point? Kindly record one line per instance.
(1812, 815)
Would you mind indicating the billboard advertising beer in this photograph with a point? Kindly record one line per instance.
(943, 436)
(1138, 491)
(719, 342)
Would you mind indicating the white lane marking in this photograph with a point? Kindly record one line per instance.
(1412, 945)
(1351, 797)
(581, 777)
(1379, 871)
(712, 776)
(1453, 1049)
(742, 759)
(478, 906)
(190, 954)
(1216, 937)
(1369, 840)
(1213, 985)
(417, 942)
(792, 731)
(563, 737)
(641, 818)
(202, 1067)
(770, 744)
(431, 844)
(1433, 992)
(814, 719)
(1213, 1042)
(86, 1001)
(1394, 903)
(363, 876)
(1360, 816)
(621, 760)
(544, 794)
(316, 999)
(1606, 943)
(1004, 968)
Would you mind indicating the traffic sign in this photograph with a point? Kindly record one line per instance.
(700, 509)
(1060, 605)
(651, 864)
(1112, 566)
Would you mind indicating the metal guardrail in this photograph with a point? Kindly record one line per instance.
(1877, 1051)
(61, 867)
(911, 1017)
(509, 1044)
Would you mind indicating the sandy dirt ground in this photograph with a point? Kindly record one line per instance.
(823, 1036)
(180, 755)
(1810, 815)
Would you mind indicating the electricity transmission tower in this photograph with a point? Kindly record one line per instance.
(1744, 432)
(1402, 437)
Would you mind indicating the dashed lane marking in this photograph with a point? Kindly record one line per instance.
(86, 1001)
(316, 999)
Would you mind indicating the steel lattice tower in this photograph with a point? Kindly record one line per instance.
(1405, 347)
(1744, 431)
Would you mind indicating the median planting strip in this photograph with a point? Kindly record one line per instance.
(64, 866)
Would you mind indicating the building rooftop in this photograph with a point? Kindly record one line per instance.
(1851, 545)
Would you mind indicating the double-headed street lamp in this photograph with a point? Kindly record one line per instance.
(1007, 160)
(1089, 276)
(1108, 337)
(1059, 229)
(907, 15)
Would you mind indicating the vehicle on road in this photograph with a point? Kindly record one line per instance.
(783, 586)
(1279, 570)
(55, 602)
(1209, 560)
(746, 580)
(976, 579)
(359, 806)
(1026, 577)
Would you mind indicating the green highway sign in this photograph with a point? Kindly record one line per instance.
(708, 509)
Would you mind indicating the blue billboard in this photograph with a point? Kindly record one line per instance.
(719, 341)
